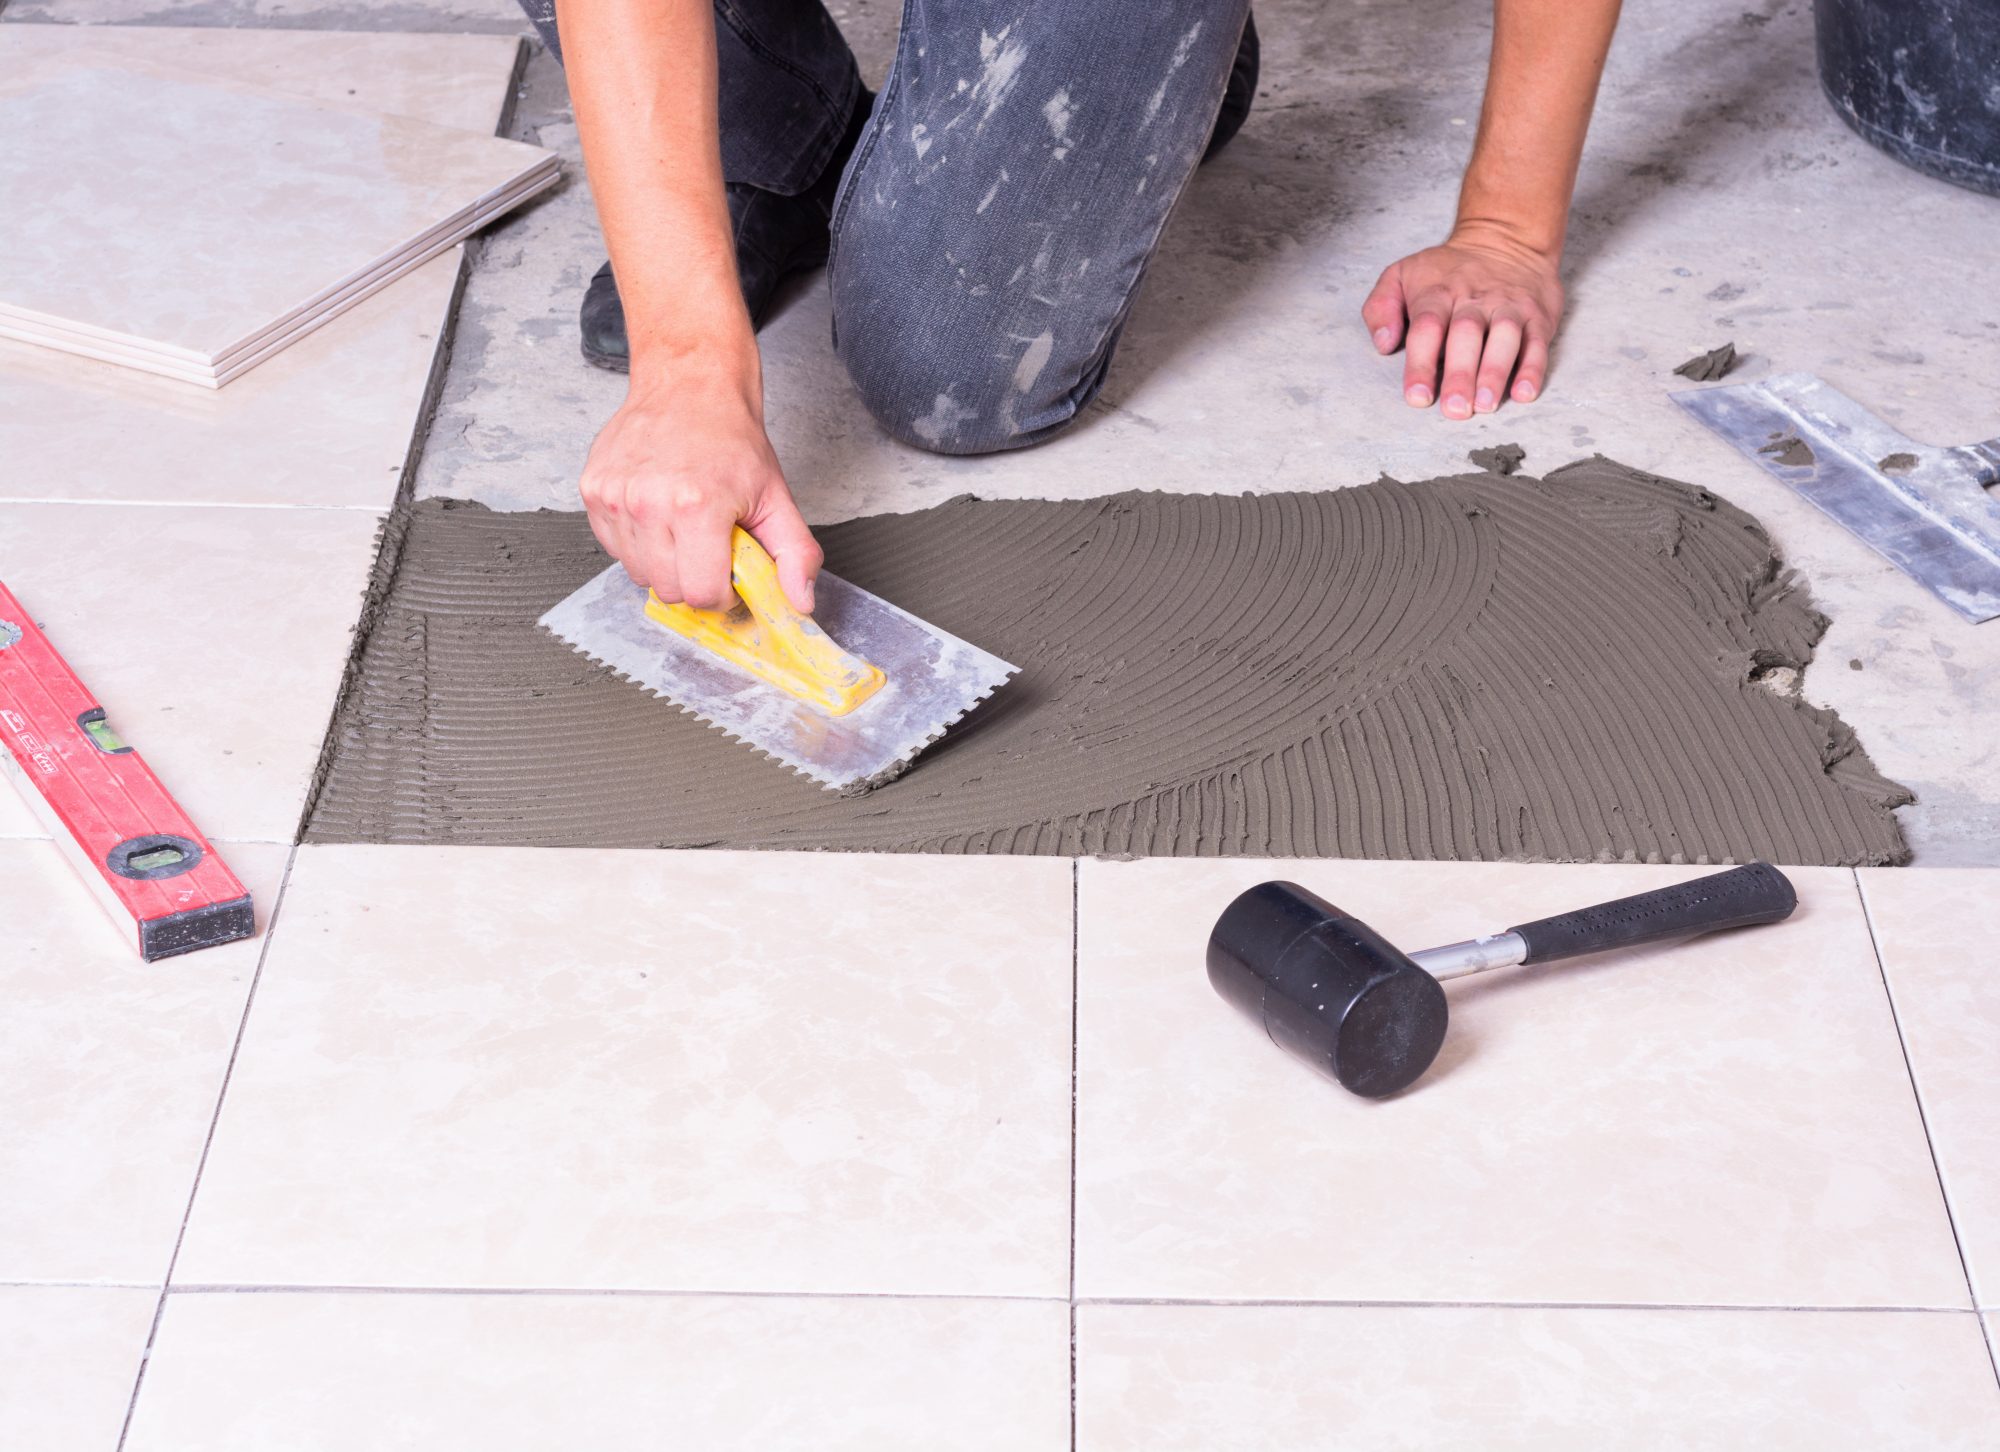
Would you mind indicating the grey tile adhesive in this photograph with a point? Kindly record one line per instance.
(1568, 668)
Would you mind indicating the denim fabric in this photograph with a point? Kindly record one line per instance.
(997, 217)
(1000, 210)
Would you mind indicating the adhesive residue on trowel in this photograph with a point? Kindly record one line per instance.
(1791, 451)
(1566, 668)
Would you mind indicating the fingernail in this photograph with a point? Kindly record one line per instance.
(1420, 396)
(1483, 399)
(1455, 406)
(1382, 337)
(1525, 392)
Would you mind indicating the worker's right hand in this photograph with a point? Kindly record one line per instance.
(683, 461)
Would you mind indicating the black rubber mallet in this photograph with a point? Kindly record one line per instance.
(1332, 991)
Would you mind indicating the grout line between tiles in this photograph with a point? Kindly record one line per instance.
(208, 1141)
(1917, 1093)
(1075, 1001)
(1937, 1166)
(6, 1285)
(1393, 1305)
(1217, 1303)
(641, 1293)
(203, 1288)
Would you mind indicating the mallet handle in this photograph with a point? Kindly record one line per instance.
(1738, 898)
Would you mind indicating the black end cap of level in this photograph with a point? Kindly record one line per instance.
(206, 927)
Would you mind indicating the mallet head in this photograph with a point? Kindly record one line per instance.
(1327, 988)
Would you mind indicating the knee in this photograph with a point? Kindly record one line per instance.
(947, 388)
(942, 371)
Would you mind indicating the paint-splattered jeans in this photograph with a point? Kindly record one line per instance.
(1012, 183)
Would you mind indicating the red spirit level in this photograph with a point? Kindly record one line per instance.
(128, 839)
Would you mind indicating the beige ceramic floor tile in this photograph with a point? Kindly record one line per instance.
(684, 1071)
(1330, 1379)
(213, 638)
(318, 1372)
(328, 421)
(1727, 1122)
(109, 1069)
(15, 818)
(72, 1354)
(447, 80)
(217, 212)
(1935, 930)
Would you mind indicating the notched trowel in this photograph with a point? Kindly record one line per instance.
(1925, 508)
(846, 696)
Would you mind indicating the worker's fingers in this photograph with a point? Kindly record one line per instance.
(608, 537)
(1462, 347)
(701, 556)
(1534, 367)
(1421, 351)
(781, 530)
(642, 536)
(651, 553)
(1496, 364)
(604, 505)
(1383, 312)
(646, 548)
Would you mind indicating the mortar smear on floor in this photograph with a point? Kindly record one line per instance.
(1559, 669)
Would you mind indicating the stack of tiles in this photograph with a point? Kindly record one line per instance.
(282, 211)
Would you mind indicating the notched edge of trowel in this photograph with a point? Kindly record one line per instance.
(904, 762)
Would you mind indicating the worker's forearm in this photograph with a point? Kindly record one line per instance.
(1540, 87)
(642, 76)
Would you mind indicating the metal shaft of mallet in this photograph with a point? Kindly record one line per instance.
(1474, 955)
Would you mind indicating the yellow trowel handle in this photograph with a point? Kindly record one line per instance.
(764, 635)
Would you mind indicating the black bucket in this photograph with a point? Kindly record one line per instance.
(1920, 79)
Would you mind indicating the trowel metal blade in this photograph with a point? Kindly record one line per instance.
(1929, 514)
(934, 678)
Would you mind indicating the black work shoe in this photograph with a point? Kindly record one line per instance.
(602, 324)
(776, 236)
(1238, 94)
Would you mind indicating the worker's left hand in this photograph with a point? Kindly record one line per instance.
(1482, 307)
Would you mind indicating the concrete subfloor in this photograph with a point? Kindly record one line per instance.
(1720, 199)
